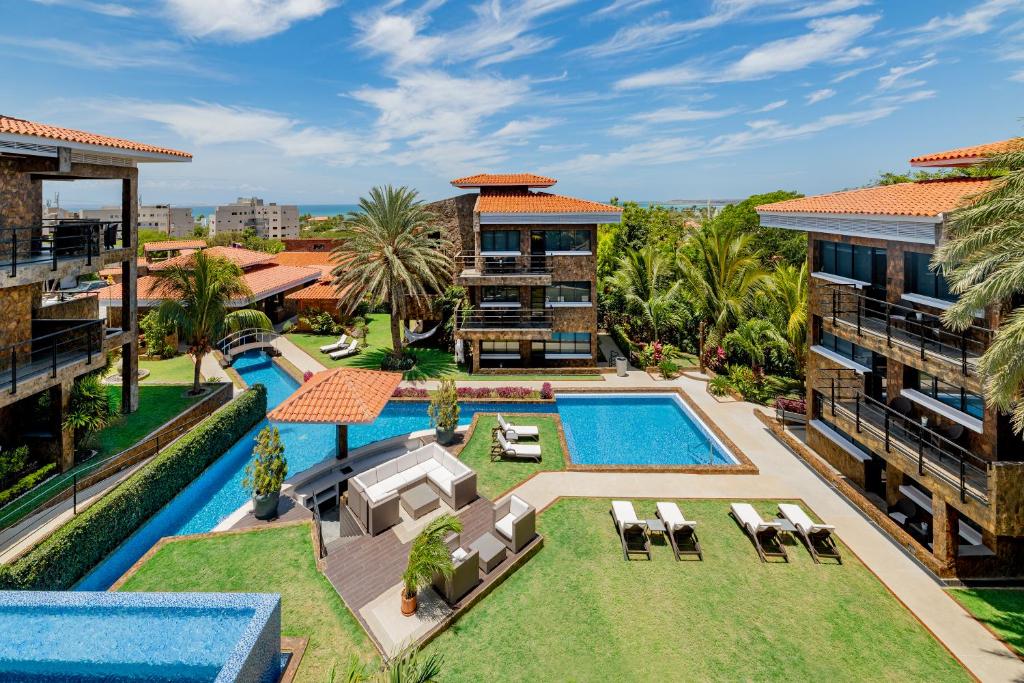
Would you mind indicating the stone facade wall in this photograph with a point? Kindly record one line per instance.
(21, 206)
(82, 307)
(850, 467)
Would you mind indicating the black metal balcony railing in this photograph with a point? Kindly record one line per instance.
(933, 452)
(907, 327)
(46, 353)
(526, 264)
(56, 242)
(506, 318)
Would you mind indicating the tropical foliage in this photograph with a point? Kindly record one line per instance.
(982, 261)
(444, 406)
(409, 666)
(429, 554)
(391, 252)
(89, 410)
(269, 468)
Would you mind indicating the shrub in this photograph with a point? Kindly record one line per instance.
(545, 391)
(444, 406)
(719, 385)
(668, 368)
(12, 462)
(306, 376)
(514, 392)
(288, 326)
(155, 333)
(410, 392)
(72, 550)
(401, 363)
(269, 468)
(321, 322)
(26, 483)
(474, 392)
(791, 405)
(89, 410)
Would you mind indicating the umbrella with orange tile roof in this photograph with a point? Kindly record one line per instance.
(342, 397)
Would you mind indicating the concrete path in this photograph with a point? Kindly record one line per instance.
(299, 358)
(783, 475)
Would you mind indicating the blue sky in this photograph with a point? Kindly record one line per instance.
(314, 101)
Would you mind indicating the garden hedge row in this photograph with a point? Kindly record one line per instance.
(27, 482)
(73, 550)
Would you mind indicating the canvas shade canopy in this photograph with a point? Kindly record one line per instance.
(342, 397)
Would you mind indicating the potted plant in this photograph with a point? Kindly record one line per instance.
(428, 557)
(444, 411)
(265, 474)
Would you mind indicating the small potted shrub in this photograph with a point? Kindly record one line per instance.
(428, 557)
(444, 411)
(266, 473)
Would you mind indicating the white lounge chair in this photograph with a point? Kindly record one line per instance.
(679, 530)
(501, 448)
(327, 348)
(515, 432)
(347, 351)
(761, 532)
(818, 537)
(632, 530)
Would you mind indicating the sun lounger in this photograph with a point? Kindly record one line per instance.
(347, 351)
(501, 448)
(818, 537)
(763, 534)
(342, 340)
(515, 432)
(632, 530)
(680, 531)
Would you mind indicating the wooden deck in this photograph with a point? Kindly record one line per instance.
(288, 511)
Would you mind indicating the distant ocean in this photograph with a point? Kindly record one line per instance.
(312, 209)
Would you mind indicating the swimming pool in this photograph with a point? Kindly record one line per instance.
(638, 430)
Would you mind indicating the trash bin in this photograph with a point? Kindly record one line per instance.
(621, 365)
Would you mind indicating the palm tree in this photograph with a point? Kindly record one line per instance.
(198, 294)
(644, 281)
(721, 275)
(390, 251)
(981, 259)
(429, 555)
(408, 666)
(755, 338)
(789, 290)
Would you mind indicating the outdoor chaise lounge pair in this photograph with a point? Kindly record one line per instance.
(340, 349)
(766, 535)
(506, 441)
(634, 532)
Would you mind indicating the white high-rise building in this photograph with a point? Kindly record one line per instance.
(269, 220)
(172, 221)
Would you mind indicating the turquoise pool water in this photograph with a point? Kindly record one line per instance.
(637, 429)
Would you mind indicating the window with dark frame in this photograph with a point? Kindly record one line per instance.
(566, 240)
(919, 278)
(493, 294)
(955, 397)
(500, 346)
(564, 343)
(499, 240)
(567, 292)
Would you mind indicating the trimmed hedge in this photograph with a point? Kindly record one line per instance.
(27, 482)
(74, 549)
(622, 340)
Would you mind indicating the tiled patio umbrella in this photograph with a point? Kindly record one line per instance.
(342, 397)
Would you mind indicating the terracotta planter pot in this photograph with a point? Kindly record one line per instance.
(408, 604)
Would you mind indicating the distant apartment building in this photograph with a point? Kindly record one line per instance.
(896, 402)
(270, 221)
(56, 213)
(50, 336)
(171, 221)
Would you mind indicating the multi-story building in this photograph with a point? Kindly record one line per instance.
(272, 221)
(895, 399)
(47, 340)
(529, 264)
(172, 221)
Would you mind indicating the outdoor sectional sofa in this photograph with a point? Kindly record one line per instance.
(373, 496)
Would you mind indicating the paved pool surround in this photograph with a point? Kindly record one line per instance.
(146, 636)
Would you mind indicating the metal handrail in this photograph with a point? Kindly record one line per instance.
(49, 347)
(503, 318)
(523, 264)
(250, 335)
(45, 243)
(921, 442)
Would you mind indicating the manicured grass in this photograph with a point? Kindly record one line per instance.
(177, 370)
(157, 405)
(266, 561)
(577, 611)
(494, 478)
(1002, 610)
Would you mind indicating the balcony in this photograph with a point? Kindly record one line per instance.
(516, 269)
(506, 323)
(56, 347)
(32, 253)
(907, 335)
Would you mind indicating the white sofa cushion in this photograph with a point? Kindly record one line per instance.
(379, 492)
(458, 555)
(406, 461)
(504, 525)
(368, 478)
(518, 506)
(442, 478)
(385, 470)
(428, 465)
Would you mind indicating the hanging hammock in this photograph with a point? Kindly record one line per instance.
(413, 337)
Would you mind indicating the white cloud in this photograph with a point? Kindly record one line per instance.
(521, 129)
(820, 95)
(1019, 77)
(398, 37)
(681, 115)
(241, 20)
(623, 6)
(979, 19)
(896, 75)
(150, 54)
(110, 9)
(772, 106)
(851, 73)
(823, 8)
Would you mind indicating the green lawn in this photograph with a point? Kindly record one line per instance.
(177, 370)
(1002, 610)
(494, 478)
(433, 363)
(266, 561)
(157, 405)
(577, 611)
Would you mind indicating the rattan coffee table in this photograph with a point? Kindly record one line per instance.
(419, 500)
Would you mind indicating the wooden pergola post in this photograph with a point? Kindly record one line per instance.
(342, 434)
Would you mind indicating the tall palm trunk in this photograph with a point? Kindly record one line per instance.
(396, 332)
(196, 378)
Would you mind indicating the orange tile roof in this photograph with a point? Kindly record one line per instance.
(262, 282)
(966, 156)
(320, 291)
(173, 245)
(243, 258)
(504, 180)
(925, 198)
(539, 202)
(312, 259)
(339, 396)
(11, 125)
(115, 270)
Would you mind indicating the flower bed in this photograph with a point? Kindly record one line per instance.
(509, 393)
